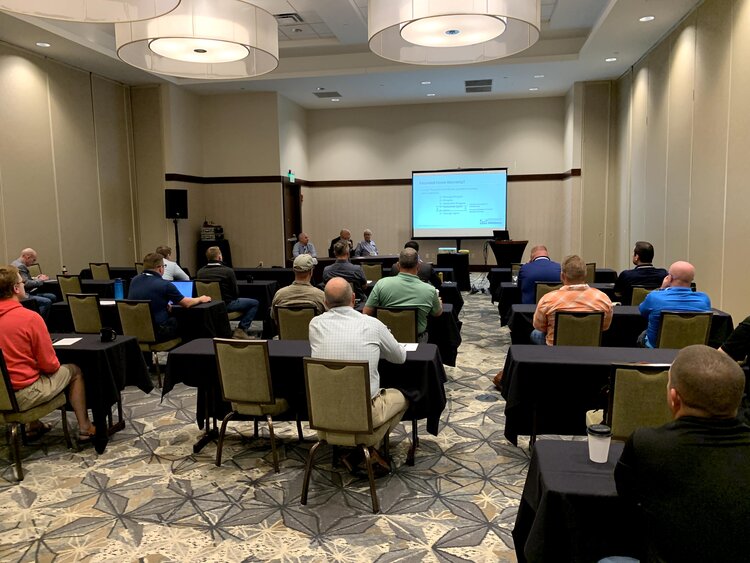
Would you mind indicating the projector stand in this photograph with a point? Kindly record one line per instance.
(176, 240)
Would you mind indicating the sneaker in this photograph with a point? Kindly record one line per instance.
(240, 334)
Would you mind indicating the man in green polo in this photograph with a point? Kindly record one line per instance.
(406, 290)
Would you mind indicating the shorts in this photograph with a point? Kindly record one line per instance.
(44, 389)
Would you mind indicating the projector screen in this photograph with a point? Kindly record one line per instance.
(459, 203)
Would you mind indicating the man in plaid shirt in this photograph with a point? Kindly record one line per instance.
(574, 295)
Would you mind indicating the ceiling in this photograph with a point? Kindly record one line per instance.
(327, 51)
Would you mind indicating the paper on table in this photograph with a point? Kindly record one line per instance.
(66, 342)
(106, 301)
(410, 346)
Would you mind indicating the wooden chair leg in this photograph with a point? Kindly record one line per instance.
(274, 453)
(414, 443)
(308, 471)
(66, 430)
(16, 439)
(255, 428)
(223, 430)
(371, 477)
(299, 430)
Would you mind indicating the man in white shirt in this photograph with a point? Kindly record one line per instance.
(342, 333)
(367, 246)
(172, 270)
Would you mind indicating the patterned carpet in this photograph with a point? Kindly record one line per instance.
(148, 498)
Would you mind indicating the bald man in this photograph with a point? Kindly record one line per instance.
(689, 479)
(344, 235)
(540, 268)
(675, 295)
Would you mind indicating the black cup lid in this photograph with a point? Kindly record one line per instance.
(599, 430)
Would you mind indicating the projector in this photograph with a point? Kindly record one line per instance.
(446, 249)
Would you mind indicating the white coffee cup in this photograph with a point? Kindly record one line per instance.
(600, 436)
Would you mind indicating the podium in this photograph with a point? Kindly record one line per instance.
(508, 252)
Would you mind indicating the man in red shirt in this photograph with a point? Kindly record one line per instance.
(35, 372)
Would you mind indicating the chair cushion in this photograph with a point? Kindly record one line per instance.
(279, 406)
(34, 413)
(235, 315)
(341, 439)
(164, 346)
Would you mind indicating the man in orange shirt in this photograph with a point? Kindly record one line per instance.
(35, 372)
(574, 295)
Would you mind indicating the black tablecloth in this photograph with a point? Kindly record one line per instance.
(107, 368)
(263, 291)
(205, 320)
(550, 388)
(570, 511)
(445, 332)
(103, 288)
(448, 275)
(499, 275)
(449, 293)
(459, 261)
(124, 272)
(627, 325)
(509, 294)
(421, 378)
(283, 276)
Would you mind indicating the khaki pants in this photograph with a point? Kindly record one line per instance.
(390, 403)
(45, 388)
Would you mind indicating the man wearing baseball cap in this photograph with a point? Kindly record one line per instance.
(301, 293)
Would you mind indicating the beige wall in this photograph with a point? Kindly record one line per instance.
(682, 144)
(64, 164)
(292, 138)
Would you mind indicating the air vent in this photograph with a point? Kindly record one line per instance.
(289, 18)
(327, 94)
(473, 86)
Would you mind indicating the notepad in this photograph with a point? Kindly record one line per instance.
(106, 302)
(410, 346)
(66, 342)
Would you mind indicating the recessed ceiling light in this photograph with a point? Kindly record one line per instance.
(335, 99)
(538, 76)
(43, 44)
(425, 82)
(320, 88)
(430, 95)
(533, 89)
(646, 19)
(610, 59)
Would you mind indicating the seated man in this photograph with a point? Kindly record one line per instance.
(344, 334)
(406, 290)
(538, 269)
(366, 247)
(675, 295)
(574, 295)
(172, 270)
(304, 246)
(344, 235)
(737, 345)
(301, 293)
(643, 274)
(152, 287)
(215, 270)
(32, 284)
(688, 481)
(342, 268)
(35, 372)
(425, 272)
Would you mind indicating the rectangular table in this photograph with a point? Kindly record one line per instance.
(509, 294)
(627, 325)
(570, 511)
(123, 272)
(108, 367)
(103, 288)
(421, 379)
(282, 276)
(548, 389)
(261, 290)
(499, 275)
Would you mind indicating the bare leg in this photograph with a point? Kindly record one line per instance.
(77, 398)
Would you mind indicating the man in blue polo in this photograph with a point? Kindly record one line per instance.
(406, 290)
(150, 286)
(675, 295)
(539, 268)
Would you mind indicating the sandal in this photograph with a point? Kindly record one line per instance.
(36, 431)
(86, 437)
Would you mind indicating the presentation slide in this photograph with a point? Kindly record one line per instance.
(459, 203)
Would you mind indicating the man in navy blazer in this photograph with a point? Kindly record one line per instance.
(539, 268)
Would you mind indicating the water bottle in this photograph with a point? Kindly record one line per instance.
(65, 270)
(119, 292)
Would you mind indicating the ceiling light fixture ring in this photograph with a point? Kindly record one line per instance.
(91, 11)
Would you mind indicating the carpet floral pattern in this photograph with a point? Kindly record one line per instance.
(149, 498)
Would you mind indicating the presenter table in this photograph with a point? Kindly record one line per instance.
(508, 252)
(283, 276)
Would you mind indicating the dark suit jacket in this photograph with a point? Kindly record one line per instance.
(214, 271)
(645, 275)
(541, 269)
(689, 484)
(333, 243)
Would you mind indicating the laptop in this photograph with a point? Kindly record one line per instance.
(184, 287)
(501, 235)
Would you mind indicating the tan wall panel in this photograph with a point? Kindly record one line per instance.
(622, 252)
(735, 289)
(710, 145)
(252, 219)
(390, 142)
(76, 167)
(639, 151)
(183, 139)
(26, 163)
(151, 227)
(292, 138)
(240, 134)
(679, 149)
(112, 125)
(595, 163)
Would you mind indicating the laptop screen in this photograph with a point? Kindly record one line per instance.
(184, 287)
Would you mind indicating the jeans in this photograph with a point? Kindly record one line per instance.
(44, 300)
(538, 337)
(244, 305)
(642, 341)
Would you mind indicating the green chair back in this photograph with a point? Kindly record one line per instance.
(678, 329)
(590, 272)
(373, 272)
(402, 322)
(69, 284)
(574, 328)
(543, 288)
(139, 268)
(639, 294)
(210, 288)
(637, 398)
(84, 308)
(136, 320)
(34, 270)
(294, 322)
(99, 271)
(244, 371)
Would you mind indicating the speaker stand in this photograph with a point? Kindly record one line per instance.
(176, 240)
